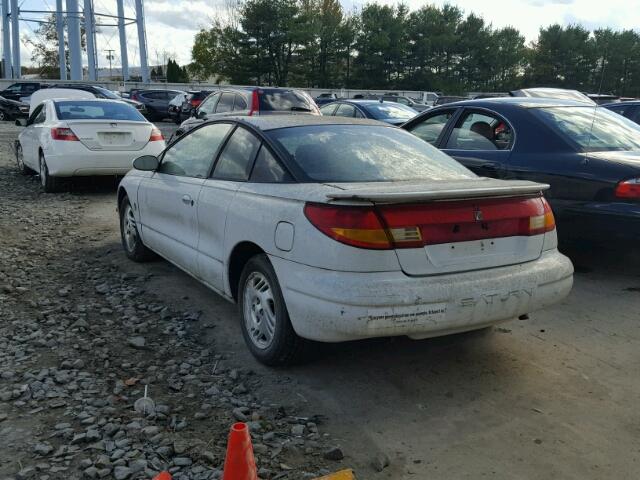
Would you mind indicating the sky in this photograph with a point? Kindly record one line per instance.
(172, 24)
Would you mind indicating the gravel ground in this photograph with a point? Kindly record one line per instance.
(83, 330)
(81, 340)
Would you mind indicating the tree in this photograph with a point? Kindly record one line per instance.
(44, 44)
(175, 73)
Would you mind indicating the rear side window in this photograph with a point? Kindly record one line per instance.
(285, 101)
(267, 169)
(91, 110)
(365, 153)
(328, 110)
(345, 110)
(236, 159)
(193, 154)
(226, 103)
(240, 104)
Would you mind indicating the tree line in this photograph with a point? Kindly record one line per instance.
(315, 43)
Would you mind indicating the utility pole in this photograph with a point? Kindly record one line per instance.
(110, 58)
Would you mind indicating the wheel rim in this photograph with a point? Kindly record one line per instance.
(19, 157)
(129, 230)
(259, 310)
(43, 172)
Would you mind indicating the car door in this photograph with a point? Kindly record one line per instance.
(30, 136)
(208, 107)
(432, 127)
(169, 198)
(482, 141)
(232, 168)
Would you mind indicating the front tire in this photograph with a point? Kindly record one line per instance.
(49, 184)
(131, 241)
(265, 322)
(22, 168)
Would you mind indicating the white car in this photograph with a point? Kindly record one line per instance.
(333, 229)
(82, 137)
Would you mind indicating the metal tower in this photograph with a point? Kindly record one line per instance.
(12, 15)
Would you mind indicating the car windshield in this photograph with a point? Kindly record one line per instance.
(92, 110)
(592, 129)
(285, 101)
(387, 110)
(365, 153)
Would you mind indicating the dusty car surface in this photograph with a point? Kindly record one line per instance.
(333, 229)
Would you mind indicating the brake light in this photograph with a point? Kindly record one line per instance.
(419, 225)
(156, 135)
(255, 103)
(355, 226)
(64, 133)
(195, 102)
(628, 189)
(134, 96)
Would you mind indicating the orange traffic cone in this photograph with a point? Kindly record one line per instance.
(163, 476)
(239, 463)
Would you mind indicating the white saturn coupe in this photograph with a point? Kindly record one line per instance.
(69, 137)
(332, 229)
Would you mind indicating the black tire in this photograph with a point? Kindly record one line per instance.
(285, 347)
(129, 235)
(49, 184)
(22, 168)
(3, 116)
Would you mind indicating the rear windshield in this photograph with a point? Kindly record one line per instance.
(285, 101)
(365, 153)
(592, 129)
(91, 110)
(388, 110)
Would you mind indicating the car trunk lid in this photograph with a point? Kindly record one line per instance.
(445, 227)
(113, 135)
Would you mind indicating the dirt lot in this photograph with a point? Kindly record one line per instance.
(83, 329)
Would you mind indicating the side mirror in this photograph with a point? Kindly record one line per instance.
(21, 122)
(201, 115)
(146, 163)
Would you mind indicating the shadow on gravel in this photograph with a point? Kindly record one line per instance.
(615, 257)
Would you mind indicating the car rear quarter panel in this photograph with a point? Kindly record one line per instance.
(258, 208)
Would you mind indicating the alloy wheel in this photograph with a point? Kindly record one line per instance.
(129, 229)
(259, 310)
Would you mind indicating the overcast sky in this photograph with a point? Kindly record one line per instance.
(172, 24)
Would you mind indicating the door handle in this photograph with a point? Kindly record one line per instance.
(187, 200)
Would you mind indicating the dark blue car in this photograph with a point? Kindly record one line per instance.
(388, 112)
(589, 155)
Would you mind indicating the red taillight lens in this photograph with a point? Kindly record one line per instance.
(415, 226)
(628, 189)
(255, 103)
(134, 96)
(355, 226)
(195, 102)
(156, 135)
(65, 134)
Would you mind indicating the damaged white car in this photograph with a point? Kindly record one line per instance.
(332, 229)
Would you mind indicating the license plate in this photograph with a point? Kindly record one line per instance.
(113, 138)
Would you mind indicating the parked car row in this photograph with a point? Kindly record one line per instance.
(302, 216)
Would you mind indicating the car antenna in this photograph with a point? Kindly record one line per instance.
(595, 108)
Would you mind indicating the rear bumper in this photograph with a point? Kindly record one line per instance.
(77, 160)
(601, 221)
(335, 306)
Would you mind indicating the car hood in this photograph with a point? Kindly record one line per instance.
(14, 103)
(631, 158)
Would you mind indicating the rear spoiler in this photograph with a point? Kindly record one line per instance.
(398, 193)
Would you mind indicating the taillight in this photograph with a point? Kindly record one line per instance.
(628, 189)
(195, 102)
(355, 226)
(419, 225)
(64, 133)
(255, 103)
(156, 135)
(134, 96)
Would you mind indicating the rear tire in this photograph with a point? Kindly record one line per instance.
(49, 184)
(265, 322)
(131, 241)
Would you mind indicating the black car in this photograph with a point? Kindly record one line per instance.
(101, 92)
(325, 98)
(19, 90)
(155, 101)
(589, 155)
(388, 112)
(11, 109)
(630, 110)
(249, 101)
